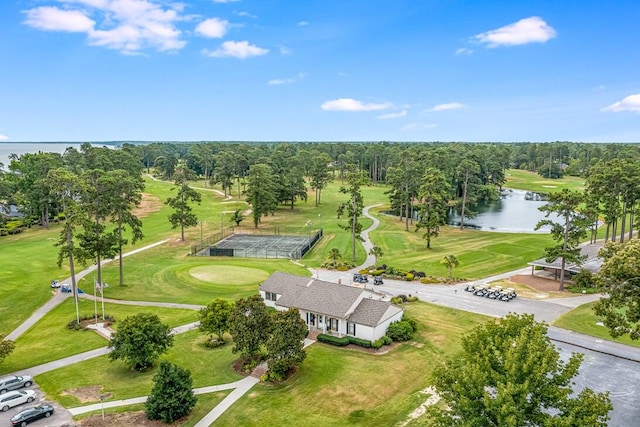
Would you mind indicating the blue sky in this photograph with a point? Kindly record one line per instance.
(323, 70)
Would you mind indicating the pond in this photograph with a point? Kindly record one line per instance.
(515, 212)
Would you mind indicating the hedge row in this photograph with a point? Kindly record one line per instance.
(342, 341)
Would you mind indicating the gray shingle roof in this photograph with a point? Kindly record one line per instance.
(312, 295)
(370, 312)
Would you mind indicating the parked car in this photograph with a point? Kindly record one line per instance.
(378, 280)
(66, 288)
(13, 382)
(15, 398)
(31, 414)
(55, 283)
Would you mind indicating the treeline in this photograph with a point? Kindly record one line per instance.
(419, 175)
(91, 191)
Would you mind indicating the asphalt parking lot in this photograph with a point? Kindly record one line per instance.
(60, 418)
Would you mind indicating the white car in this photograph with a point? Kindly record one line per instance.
(15, 398)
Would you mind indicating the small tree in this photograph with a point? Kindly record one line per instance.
(183, 215)
(334, 257)
(451, 262)
(249, 324)
(237, 217)
(510, 374)
(376, 251)
(6, 347)
(285, 344)
(172, 395)
(214, 318)
(140, 341)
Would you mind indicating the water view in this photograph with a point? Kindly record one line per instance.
(515, 212)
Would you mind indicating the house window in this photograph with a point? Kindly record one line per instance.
(270, 296)
(332, 324)
(312, 319)
(351, 328)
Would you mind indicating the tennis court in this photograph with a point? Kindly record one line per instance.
(264, 246)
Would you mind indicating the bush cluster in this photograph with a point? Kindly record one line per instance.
(77, 326)
(390, 272)
(385, 340)
(402, 330)
(343, 341)
(401, 299)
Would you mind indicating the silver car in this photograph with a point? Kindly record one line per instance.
(15, 398)
(13, 382)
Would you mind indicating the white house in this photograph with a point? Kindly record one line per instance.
(331, 308)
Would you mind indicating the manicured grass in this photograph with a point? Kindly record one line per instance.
(50, 339)
(168, 274)
(480, 253)
(531, 181)
(582, 319)
(208, 367)
(206, 402)
(337, 386)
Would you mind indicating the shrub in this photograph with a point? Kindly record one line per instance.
(360, 342)
(386, 340)
(330, 339)
(377, 344)
(429, 280)
(412, 299)
(343, 341)
(396, 300)
(401, 331)
(409, 277)
(377, 272)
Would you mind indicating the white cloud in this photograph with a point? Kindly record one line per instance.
(448, 106)
(246, 14)
(527, 30)
(288, 80)
(397, 115)
(629, 103)
(3, 137)
(54, 19)
(463, 51)
(125, 25)
(349, 104)
(239, 50)
(284, 50)
(212, 28)
(303, 23)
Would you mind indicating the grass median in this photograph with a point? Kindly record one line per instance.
(208, 367)
(50, 339)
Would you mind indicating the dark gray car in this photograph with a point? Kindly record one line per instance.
(13, 382)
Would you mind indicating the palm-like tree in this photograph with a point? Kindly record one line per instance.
(334, 256)
(376, 251)
(451, 262)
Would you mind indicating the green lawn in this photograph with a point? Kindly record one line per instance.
(531, 181)
(337, 386)
(208, 367)
(480, 253)
(50, 339)
(166, 273)
(206, 402)
(582, 319)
